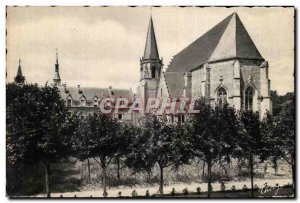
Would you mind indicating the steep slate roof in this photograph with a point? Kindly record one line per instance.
(228, 39)
(90, 92)
(175, 84)
(151, 51)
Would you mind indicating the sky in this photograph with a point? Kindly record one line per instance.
(102, 46)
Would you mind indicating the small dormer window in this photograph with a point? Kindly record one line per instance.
(69, 102)
(82, 102)
(95, 102)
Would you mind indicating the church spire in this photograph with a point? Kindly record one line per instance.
(151, 51)
(56, 57)
(56, 78)
(19, 79)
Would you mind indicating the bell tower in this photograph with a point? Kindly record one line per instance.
(150, 67)
(56, 78)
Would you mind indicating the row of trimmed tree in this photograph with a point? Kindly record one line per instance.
(39, 130)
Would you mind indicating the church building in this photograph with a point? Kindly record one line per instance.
(223, 66)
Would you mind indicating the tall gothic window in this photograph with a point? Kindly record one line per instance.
(222, 97)
(153, 72)
(249, 98)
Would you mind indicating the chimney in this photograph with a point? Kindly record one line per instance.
(111, 93)
(65, 87)
(79, 91)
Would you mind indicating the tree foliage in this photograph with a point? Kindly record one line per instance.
(157, 143)
(97, 137)
(37, 126)
(213, 134)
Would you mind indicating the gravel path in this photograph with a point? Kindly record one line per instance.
(141, 190)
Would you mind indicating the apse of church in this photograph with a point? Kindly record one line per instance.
(223, 66)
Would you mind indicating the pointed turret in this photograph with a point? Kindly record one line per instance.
(56, 78)
(151, 51)
(19, 79)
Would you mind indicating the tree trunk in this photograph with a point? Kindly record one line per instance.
(89, 170)
(118, 168)
(293, 172)
(47, 173)
(209, 187)
(251, 175)
(149, 176)
(275, 165)
(104, 180)
(161, 186)
(203, 170)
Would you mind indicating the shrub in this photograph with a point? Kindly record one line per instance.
(134, 193)
(185, 191)
(198, 190)
(233, 188)
(222, 187)
(173, 192)
(147, 193)
(214, 177)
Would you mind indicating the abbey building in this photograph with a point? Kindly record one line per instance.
(222, 66)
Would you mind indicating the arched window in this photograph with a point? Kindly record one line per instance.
(222, 97)
(249, 98)
(153, 72)
(69, 102)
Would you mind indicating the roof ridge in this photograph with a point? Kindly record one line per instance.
(209, 40)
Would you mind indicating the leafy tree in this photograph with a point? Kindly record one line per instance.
(213, 133)
(36, 120)
(79, 147)
(127, 133)
(98, 138)
(251, 143)
(279, 101)
(157, 144)
(285, 129)
(272, 141)
(137, 159)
